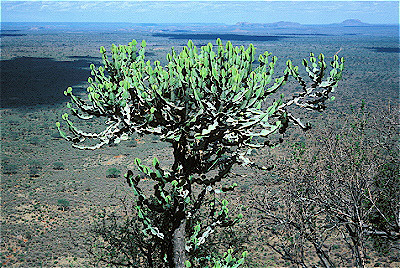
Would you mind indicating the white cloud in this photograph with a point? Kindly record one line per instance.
(10, 6)
(201, 11)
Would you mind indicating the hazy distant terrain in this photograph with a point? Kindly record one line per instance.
(50, 191)
(43, 52)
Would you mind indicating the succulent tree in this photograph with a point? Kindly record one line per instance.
(211, 104)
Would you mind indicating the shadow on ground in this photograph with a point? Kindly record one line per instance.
(28, 81)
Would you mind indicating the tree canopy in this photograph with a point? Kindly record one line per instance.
(211, 104)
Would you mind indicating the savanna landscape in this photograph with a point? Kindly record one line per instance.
(56, 201)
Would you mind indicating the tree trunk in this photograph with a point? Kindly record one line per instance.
(324, 258)
(179, 245)
(359, 260)
(355, 239)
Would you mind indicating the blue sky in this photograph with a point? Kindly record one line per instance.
(228, 12)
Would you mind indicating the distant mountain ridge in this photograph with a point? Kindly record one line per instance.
(280, 28)
(288, 24)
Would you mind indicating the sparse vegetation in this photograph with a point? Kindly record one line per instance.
(29, 205)
(331, 195)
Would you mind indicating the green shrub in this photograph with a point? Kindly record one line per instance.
(63, 204)
(34, 168)
(34, 140)
(58, 165)
(8, 168)
(34, 172)
(132, 143)
(113, 173)
(56, 135)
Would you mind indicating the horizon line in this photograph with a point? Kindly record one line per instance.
(206, 23)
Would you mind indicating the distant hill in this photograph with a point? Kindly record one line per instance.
(353, 22)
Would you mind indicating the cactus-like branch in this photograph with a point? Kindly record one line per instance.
(209, 104)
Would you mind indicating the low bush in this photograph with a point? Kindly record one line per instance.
(113, 173)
